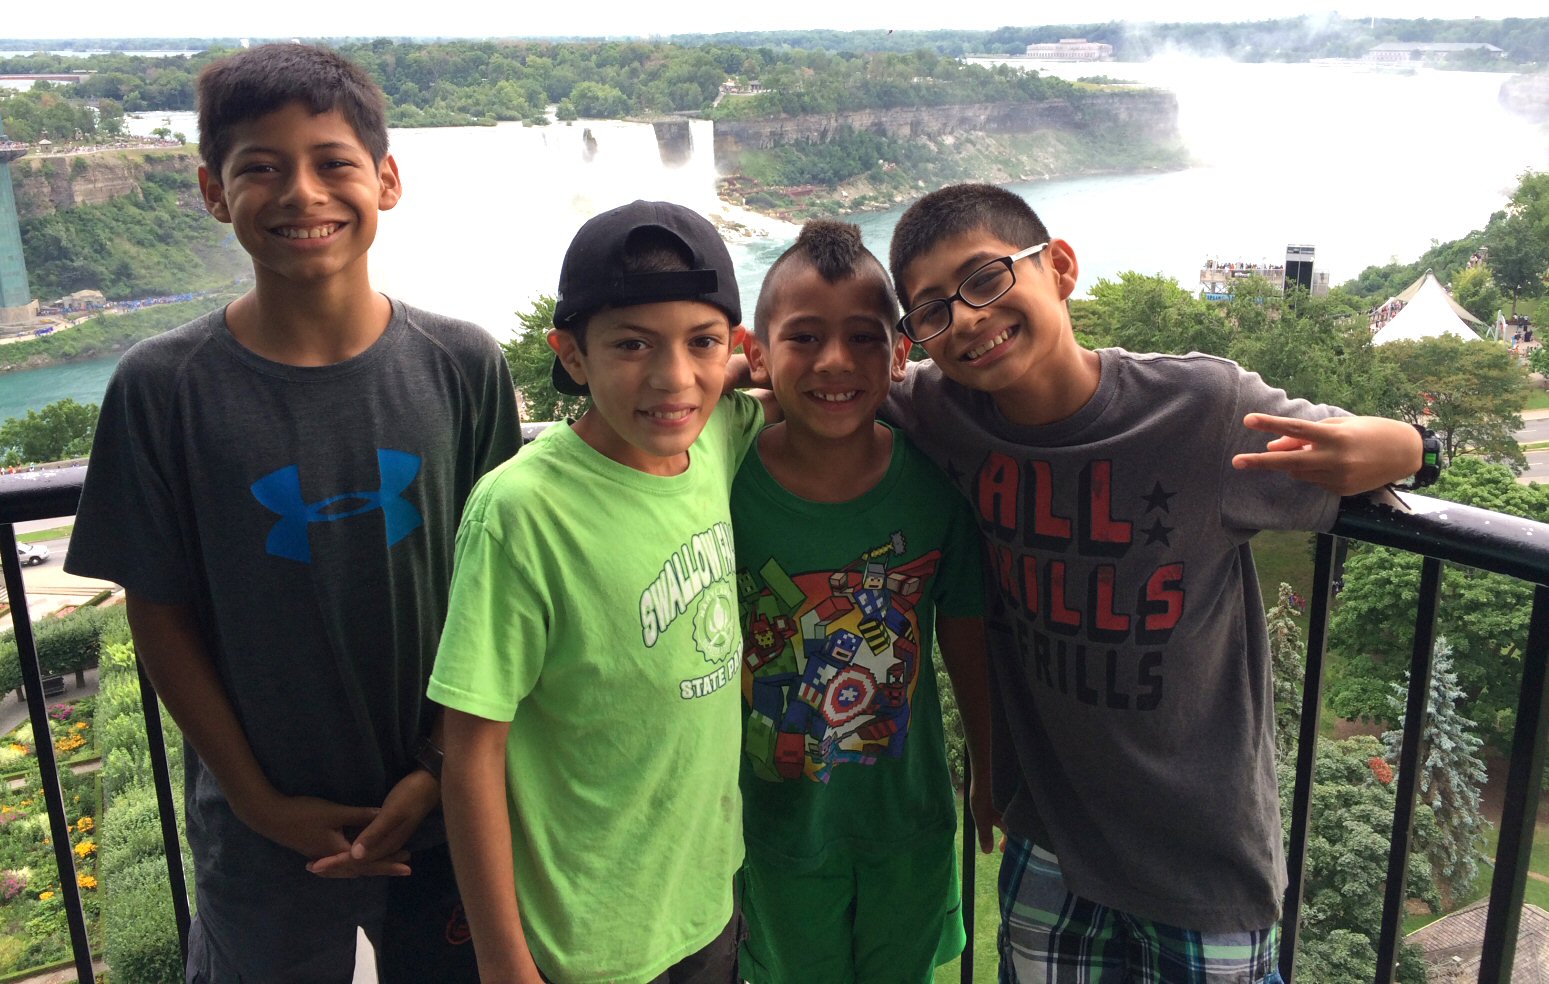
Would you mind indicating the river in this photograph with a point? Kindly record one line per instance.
(1368, 165)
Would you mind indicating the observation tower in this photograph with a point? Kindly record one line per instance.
(16, 302)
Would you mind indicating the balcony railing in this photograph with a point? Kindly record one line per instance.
(1441, 532)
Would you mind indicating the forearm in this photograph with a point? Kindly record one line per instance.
(168, 646)
(965, 655)
(473, 792)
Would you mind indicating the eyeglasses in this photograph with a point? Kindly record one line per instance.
(981, 288)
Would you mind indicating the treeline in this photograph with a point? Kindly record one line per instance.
(160, 241)
(105, 334)
(58, 113)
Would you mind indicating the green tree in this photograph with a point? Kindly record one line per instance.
(1451, 774)
(61, 430)
(1483, 616)
(1287, 661)
(1347, 864)
(531, 361)
(1153, 314)
(1475, 290)
(1469, 392)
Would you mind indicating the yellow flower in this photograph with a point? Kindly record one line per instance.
(86, 848)
(70, 743)
(45, 896)
(85, 824)
(18, 748)
(81, 726)
(86, 881)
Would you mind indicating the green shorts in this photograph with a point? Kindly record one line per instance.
(876, 915)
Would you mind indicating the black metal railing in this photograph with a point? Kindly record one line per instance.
(1441, 532)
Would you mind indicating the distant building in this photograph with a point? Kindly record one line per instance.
(1070, 49)
(1452, 945)
(1413, 51)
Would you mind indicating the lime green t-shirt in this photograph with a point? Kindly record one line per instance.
(593, 606)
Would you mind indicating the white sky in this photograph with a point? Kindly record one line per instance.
(475, 18)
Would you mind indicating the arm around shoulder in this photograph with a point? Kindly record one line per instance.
(965, 654)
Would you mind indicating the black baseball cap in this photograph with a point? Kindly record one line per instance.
(592, 276)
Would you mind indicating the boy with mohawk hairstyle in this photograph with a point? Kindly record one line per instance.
(590, 659)
(1117, 494)
(277, 486)
(853, 553)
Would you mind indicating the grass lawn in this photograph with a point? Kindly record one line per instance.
(1535, 893)
(986, 921)
(1537, 399)
(1283, 557)
(37, 536)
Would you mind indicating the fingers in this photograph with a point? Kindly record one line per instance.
(1285, 426)
(384, 835)
(344, 866)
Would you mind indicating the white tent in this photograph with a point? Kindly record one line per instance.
(1429, 313)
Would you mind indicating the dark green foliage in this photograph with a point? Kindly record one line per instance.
(1378, 283)
(65, 645)
(531, 361)
(160, 242)
(59, 431)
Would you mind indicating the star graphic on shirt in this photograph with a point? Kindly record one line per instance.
(1157, 533)
(1158, 498)
(952, 473)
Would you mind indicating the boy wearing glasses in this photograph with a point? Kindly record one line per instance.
(1117, 494)
(848, 813)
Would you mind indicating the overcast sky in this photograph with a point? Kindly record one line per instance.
(475, 18)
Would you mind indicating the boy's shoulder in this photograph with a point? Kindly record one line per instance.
(463, 340)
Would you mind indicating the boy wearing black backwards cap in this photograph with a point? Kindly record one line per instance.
(277, 486)
(591, 652)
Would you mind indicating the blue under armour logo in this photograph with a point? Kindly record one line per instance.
(280, 491)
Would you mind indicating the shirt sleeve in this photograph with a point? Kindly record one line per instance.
(130, 527)
(500, 425)
(1268, 500)
(960, 579)
(495, 640)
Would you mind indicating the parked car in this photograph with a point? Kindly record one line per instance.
(31, 554)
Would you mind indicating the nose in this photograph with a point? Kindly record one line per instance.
(834, 356)
(302, 187)
(672, 371)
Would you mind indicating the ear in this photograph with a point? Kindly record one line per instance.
(1063, 261)
(758, 360)
(900, 358)
(214, 195)
(392, 185)
(569, 353)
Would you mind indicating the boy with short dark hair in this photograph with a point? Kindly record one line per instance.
(589, 663)
(1117, 494)
(277, 486)
(854, 555)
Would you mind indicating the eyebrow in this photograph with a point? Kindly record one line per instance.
(712, 324)
(332, 146)
(974, 261)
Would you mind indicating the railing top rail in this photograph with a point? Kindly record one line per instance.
(46, 493)
(1467, 535)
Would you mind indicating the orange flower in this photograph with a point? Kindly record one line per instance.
(85, 824)
(86, 848)
(45, 896)
(86, 881)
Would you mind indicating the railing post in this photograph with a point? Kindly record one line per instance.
(1307, 751)
(1409, 769)
(48, 764)
(970, 856)
(1514, 850)
(166, 807)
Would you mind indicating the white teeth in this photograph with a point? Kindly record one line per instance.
(316, 232)
(974, 353)
(667, 414)
(844, 397)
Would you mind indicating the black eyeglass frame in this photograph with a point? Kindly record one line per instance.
(1006, 261)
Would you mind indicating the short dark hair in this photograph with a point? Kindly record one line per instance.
(954, 211)
(649, 250)
(833, 249)
(260, 80)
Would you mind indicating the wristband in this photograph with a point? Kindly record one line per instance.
(1430, 459)
(429, 758)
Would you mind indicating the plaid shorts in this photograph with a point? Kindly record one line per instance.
(1049, 936)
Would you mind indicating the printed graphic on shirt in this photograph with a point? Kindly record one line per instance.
(1091, 589)
(832, 661)
(697, 577)
(280, 492)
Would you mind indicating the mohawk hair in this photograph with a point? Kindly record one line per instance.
(836, 252)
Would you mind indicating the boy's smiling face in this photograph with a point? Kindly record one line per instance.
(655, 372)
(301, 193)
(830, 354)
(1009, 346)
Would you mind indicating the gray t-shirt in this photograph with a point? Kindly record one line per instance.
(307, 515)
(1128, 648)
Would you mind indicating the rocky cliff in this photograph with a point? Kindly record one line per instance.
(45, 185)
(1150, 114)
